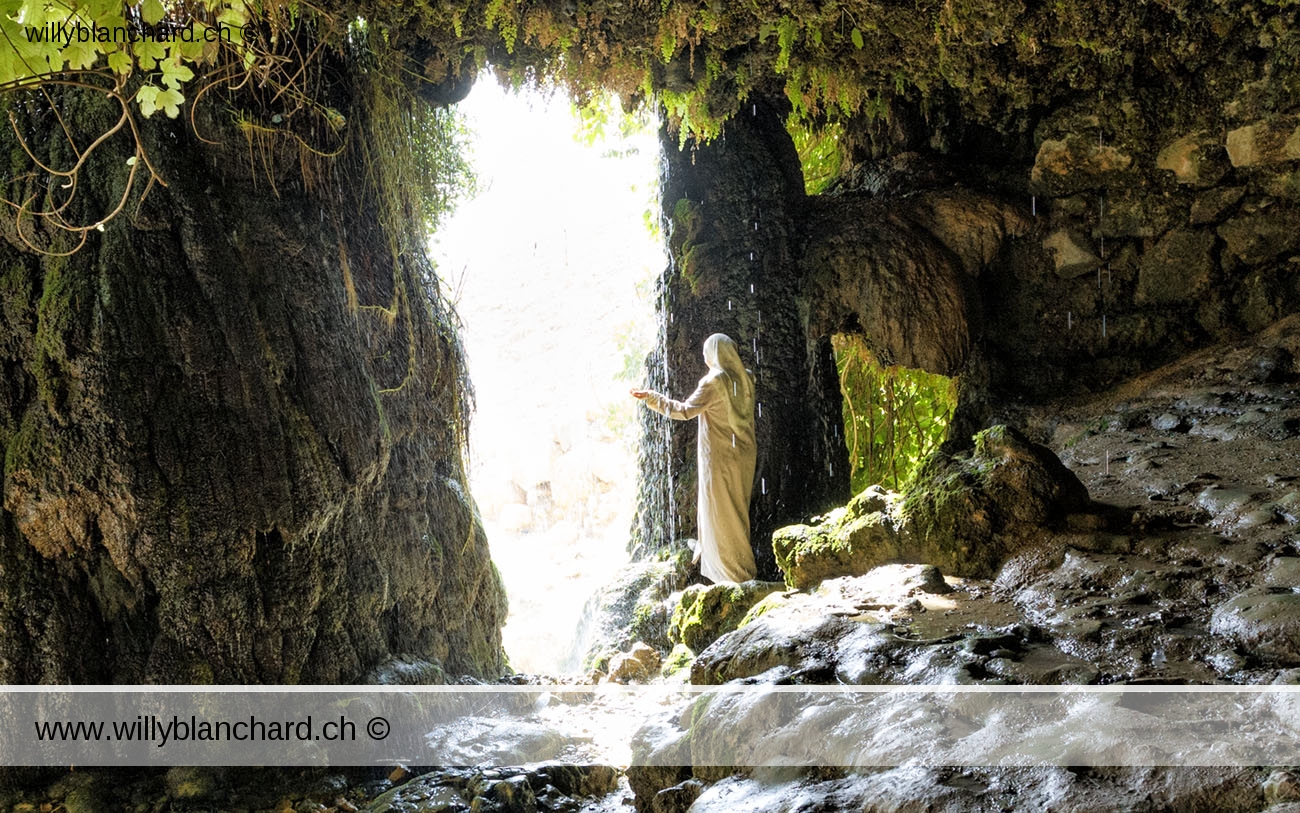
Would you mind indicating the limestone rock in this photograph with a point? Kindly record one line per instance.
(706, 612)
(1072, 255)
(633, 608)
(1195, 160)
(1074, 163)
(1176, 269)
(1264, 621)
(1268, 141)
(637, 665)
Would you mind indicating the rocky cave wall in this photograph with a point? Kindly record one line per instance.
(232, 430)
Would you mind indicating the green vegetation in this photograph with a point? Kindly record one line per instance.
(821, 153)
(893, 416)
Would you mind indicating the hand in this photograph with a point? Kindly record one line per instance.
(640, 395)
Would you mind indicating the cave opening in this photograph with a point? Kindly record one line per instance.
(551, 265)
(894, 416)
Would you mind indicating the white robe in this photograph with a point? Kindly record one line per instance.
(726, 456)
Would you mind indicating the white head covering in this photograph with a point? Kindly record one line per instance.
(721, 354)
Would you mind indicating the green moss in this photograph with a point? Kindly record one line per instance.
(678, 659)
(62, 314)
(705, 613)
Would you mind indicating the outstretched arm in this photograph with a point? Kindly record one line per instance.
(677, 410)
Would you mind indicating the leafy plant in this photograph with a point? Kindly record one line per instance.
(893, 416)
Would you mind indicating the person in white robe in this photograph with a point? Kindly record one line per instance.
(724, 404)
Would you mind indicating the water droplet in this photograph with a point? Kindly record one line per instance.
(754, 341)
(760, 409)
(728, 304)
(1033, 206)
(751, 287)
(1103, 325)
(753, 110)
(733, 392)
(763, 482)
(751, 256)
(733, 440)
(832, 469)
(1069, 321)
(755, 225)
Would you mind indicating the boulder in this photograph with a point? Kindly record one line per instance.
(965, 512)
(969, 512)
(848, 542)
(1072, 254)
(1259, 237)
(1268, 141)
(1195, 160)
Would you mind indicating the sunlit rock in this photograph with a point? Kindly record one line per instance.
(848, 541)
(637, 665)
(1195, 160)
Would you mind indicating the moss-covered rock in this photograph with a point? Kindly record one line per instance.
(704, 613)
(847, 543)
(966, 512)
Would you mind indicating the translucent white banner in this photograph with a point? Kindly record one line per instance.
(849, 726)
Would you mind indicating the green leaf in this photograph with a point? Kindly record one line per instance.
(81, 55)
(174, 73)
(152, 98)
(856, 36)
(170, 100)
(149, 53)
(151, 11)
(147, 98)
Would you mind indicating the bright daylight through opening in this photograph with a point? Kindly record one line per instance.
(551, 266)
